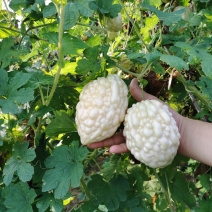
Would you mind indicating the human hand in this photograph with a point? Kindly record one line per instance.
(117, 142)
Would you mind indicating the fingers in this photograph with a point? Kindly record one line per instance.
(136, 91)
(121, 148)
(114, 140)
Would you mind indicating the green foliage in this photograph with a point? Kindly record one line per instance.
(43, 69)
(48, 201)
(106, 7)
(64, 166)
(19, 163)
(61, 124)
(112, 193)
(12, 93)
(19, 197)
(7, 54)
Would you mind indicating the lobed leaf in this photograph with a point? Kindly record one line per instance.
(19, 197)
(65, 167)
(19, 162)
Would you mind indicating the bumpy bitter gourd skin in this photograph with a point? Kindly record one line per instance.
(101, 109)
(151, 133)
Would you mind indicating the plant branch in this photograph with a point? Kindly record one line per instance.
(145, 70)
(91, 157)
(13, 30)
(11, 130)
(194, 90)
(87, 192)
(41, 93)
(61, 58)
(166, 194)
(90, 26)
(127, 71)
(8, 12)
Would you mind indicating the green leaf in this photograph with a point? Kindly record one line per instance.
(64, 95)
(64, 167)
(204, 205)
(157, 68)
(149, 26)
(169, 18)
(197, 54)
(175, 62)
(41, 111)
(3, 81)
(61, 124)
(205, 84)
(19, 162)
(18, 80)
(42, 152)
(150, 57)
(195, 20)
(180, 191)
(155, 3)
(115, 166)
(1, 141)
(70, 44)
(19, 197)
(49, 10)
(1, 122)
(94, 41)
(84, 66)
(184, 3)
(106, 7)
(132, 56)
(91, 53)
(204, 181)
(48, 201)
(7, 54)
(71, 16)
(4, 33)
(83, 7)
(38, 78)
(12, 96)
(88, 206)
(206, 66)
(112, 193)
(18, 4)
(2, 198)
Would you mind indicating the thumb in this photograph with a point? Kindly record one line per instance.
(136, 91)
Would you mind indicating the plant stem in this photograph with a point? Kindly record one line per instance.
(136, 29)
(91, 157)
(127, 71)
(41, 93)
(50, 146)
(194, 90)
(97, 164)
(11, 130)
(7, 28)
(37, 130)
(94, 27)
(8, 12)
(61, 58)
(169, 194)
(43, 25)
(87, 192)
(145, 70)
(165, 192)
